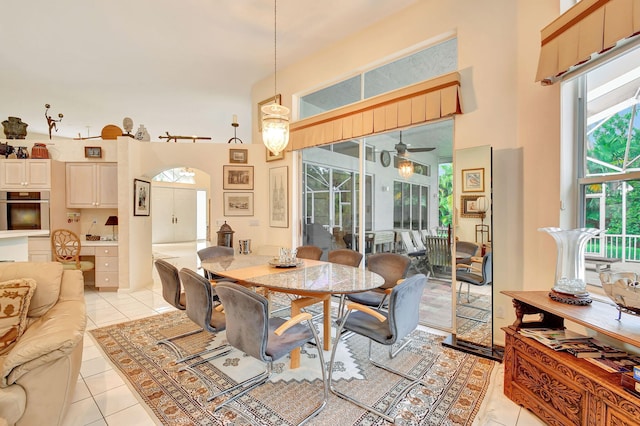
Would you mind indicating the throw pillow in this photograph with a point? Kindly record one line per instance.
(15, 296)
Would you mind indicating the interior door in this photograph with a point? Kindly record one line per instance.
(185, 213)
(162, 215)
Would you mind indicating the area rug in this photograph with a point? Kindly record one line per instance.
(455, 382)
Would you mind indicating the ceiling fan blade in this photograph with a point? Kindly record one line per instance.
(420, 149)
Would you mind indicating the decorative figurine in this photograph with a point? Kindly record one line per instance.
(14, 128)
(50, 121)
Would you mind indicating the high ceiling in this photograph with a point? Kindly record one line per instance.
(180, 66)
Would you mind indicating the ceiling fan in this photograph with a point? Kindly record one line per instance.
(402, 148)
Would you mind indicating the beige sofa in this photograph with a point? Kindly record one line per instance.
(38, 375)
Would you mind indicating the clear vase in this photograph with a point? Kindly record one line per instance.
(570, 275)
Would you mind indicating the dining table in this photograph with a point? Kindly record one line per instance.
(311, 281)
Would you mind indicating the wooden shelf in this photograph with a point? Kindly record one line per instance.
(598, 316)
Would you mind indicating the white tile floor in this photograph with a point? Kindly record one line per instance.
(103, 398)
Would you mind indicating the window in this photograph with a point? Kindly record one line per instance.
(609, 173)
(427, 63)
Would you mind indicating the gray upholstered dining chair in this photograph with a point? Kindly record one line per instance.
(309, 252)
(212, 252)
(392, 267)
(467, 273)
(345, 257)
(251, 330)
(202, 308)
(384, 327)
(173, 294)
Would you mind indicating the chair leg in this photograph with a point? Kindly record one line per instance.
(385, 414)
(169, 343)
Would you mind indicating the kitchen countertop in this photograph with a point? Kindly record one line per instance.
(25, 233)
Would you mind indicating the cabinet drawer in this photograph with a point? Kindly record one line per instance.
(106, 264)
(106, 279)
(106, 251)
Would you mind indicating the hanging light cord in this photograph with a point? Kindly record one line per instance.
(275, 47)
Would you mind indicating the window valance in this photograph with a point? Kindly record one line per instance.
(588, 28)
(421, 102)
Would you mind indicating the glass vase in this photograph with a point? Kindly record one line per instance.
(571, 243)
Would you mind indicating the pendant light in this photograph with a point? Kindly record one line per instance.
(405, 166)
(275, 121)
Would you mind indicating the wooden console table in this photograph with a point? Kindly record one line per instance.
(558, 387)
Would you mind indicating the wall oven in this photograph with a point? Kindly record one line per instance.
(23, 210)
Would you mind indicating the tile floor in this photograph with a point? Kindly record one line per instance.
(103, 398)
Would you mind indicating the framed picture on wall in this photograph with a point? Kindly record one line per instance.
(141, 197)
(279, 197)
(271, 157)
(237, 177)
(473, 180)
(238, 203)
(238, 156)
(469, 206)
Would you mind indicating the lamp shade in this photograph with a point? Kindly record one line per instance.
(275, 127)
(112, 221)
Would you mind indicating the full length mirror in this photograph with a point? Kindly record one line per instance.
(389, 192)
(473, 227)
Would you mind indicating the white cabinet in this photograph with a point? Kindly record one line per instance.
(173, 214)
(25, 174)
(106, 264)
(92, 185)
(39, 249)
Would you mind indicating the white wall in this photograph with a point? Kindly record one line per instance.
(498, 47)
(145, 160)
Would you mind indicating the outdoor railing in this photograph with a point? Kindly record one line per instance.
(626, 248)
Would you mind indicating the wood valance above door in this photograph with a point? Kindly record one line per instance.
(416, 104)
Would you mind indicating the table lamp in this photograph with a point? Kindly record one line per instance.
(113, 222)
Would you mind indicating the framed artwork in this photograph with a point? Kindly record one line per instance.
(92, 152)
(141, 197)
(277, 99)
(271, 157)
(469, 206)
(473, 180)
(238, 203)
(238, 156)
(237, 177)
(279, 197)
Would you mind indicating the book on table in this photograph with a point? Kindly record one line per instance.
(555, 339)
(616, 365)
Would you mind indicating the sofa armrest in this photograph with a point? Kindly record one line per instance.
(52, 336)
(71, 286)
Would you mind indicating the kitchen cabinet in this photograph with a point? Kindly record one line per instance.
(174, 212)
(23, 174)
(92, 185)
(39, 249)
(558, 387)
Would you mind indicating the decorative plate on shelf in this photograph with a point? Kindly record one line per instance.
(275, 262)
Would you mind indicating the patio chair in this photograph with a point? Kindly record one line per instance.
(386, 328)
(438, 254)
(418, 256)
(252, 331)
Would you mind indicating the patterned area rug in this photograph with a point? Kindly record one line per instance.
(474, 320)
(456, 382)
